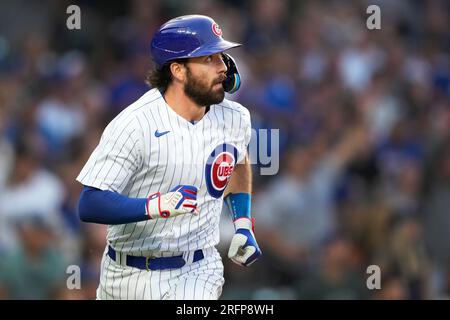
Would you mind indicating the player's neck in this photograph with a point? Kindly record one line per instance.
(183, 105)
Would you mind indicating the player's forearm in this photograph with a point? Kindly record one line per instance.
(241, 179)
(107, 207)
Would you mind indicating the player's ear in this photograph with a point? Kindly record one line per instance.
(178, 71)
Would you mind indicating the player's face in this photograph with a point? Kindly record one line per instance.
(204, 77)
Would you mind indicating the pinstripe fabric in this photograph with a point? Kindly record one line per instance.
(202, 280)
(132, 161)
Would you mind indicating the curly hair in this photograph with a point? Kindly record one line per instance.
(161, 78)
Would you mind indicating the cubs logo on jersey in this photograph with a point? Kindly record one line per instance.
(219, 167)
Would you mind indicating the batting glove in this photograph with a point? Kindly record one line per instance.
(180, 200)
(244, 249)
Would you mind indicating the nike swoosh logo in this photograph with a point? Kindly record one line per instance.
(159, 134)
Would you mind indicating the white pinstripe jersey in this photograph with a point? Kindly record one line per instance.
(135, 160)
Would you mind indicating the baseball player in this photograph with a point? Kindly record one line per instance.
(163, 168)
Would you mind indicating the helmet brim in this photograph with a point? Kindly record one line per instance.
(217, 47)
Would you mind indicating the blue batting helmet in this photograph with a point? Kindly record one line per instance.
(187, 37)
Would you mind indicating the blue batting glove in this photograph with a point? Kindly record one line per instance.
(244, 249)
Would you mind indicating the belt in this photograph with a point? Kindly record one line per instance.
(160, 263)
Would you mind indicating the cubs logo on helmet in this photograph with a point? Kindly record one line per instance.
(216, 29)
(219, 167)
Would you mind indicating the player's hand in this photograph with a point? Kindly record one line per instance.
(244, 249)
(180, 200)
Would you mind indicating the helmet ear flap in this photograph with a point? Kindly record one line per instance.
(233, 81)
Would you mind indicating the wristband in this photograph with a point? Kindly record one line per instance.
(239, 205)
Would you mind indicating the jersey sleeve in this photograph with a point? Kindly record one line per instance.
(245, 131)
(116, 158)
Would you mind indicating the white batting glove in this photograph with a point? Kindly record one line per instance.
(244, 249)
(180, 200)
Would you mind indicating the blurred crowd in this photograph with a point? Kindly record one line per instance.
(364, 119)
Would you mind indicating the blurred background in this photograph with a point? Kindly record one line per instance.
(364, 119)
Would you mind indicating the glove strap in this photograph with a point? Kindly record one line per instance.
(245, 223)
(150, 207)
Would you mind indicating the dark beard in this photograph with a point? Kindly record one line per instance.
(200, 93)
